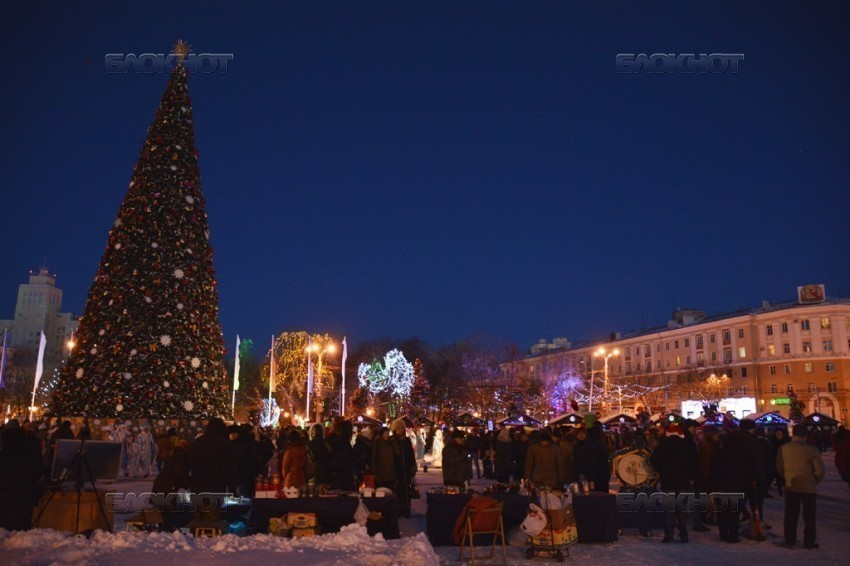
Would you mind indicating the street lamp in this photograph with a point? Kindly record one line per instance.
(314, 348)
(605, 355)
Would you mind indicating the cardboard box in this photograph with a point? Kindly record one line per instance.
(61, 512)
(562, 536)
(301, 520)
(304, 532)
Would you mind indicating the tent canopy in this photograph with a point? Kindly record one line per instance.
(467, 419)
(618, 418)
(767, 418)
(520, 420)
(567, 419)
(364, 420)
(416, 421)
(820, 419)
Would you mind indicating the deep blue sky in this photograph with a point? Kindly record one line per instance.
(442, 169)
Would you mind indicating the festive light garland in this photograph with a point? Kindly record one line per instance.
(396, 376)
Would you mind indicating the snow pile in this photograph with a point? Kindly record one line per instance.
(352, 545)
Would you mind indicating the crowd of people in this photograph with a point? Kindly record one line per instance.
(688, 458)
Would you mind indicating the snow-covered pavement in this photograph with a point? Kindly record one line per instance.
(353, 546)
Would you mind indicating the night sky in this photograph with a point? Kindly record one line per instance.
(446, 169)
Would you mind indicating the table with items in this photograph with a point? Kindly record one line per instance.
(332, 512)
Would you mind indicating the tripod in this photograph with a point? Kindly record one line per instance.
(77, 464)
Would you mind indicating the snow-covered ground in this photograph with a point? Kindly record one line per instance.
(353, 546)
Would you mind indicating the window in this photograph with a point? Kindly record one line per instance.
(687, 342)
(637, 351)
(700, 358)
(712, 338)
(699, 342)
(743, 372)
(687, 360)
(727, 337)
(784, 327)
(740, 333)
(647, 351)
(714, 357)
(658, 347)
(824, 323)
(727, 355)
(804, 325)
(808, 367)
(832, 387)
(770, 330)
(676, 344)
(810, 387)
(678, 361)
(807, 346)
(742, 352)
(648, 365)
(829, 367)
(771, 350)
(628, 367)
(788, 371)
(774, 388)
(743, 387)
(658, 364)
(772, 371)
(789, 388)
(786, 348)
(827, 345)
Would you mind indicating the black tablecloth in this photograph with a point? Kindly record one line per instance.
(333, 513)
(596, 517)
(443, 511)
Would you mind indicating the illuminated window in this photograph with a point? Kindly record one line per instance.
(771, 350)
(824, 323)
(678, 361)
(808, 367)
(807, 346)
(742, 352)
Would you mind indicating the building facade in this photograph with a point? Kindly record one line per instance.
(39, 308)
(757, 356)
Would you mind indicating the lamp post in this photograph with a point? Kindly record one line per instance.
(314, 348)
(605, 355)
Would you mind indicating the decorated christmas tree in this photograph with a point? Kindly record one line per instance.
(149, 342)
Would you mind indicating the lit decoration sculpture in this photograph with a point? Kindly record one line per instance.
(395, 376)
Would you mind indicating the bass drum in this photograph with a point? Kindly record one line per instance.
(633, 469)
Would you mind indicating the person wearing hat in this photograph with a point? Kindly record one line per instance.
(543, 462)
(676, 462)
(405, 466)
(801, 465)
(457, 467)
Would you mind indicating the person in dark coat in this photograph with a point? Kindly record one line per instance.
(567, 447)
(753, 492)
(173, 477)
(473, 448)
(457, 467)
(212, 464)
(319, 455)
(731, 472)
(383, 460)
(780, 437)
(842, 454)
(265, 452)
(676, 461)
(361, 453)
(768, 462)
(504, 448)
(590, 458)
(242, 440)
(405, 466)
(20, 474)
(342, 455)
(543, 463)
